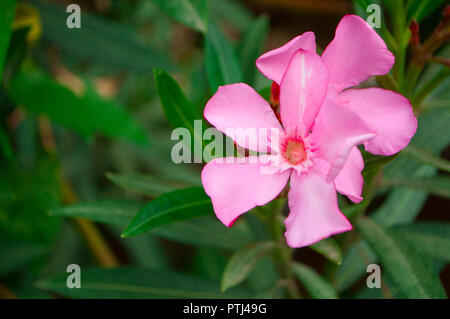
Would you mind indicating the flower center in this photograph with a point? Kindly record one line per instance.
(293, 150)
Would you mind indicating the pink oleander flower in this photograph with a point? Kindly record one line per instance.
(323, 120)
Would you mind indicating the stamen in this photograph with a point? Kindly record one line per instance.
(294, 150)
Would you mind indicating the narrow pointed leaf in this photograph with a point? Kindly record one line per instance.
(169, 208)
(202, 231)
(114, 212)
(317, 286)
(17, 254)
(251, 47)
(329, 249)
(143, 184)
(222, 66)
(191, 13)
(438, 185)
(136, 283)
(110, 44)
(87, 114)
(411, 272)
(179, 111)
(430, 238)
(243, 261)
(427, 157)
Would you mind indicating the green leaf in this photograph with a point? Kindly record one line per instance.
(7, 9)
(191, 13)
(222, 66)
(354, 265)
(17, 254)
(5, 146)
(203, 231)
(438, 185)
(26, 195)
(179, 111)
(404, 204)
(420, 9)
(411, 273)
(231, 12)
(87, 114)
(114, 212)
(317, 286)
(111, 44)
(329, 249)
(243, 261)
(251, 45)
(169, 208)
(146, 185)
(430, 238)
(136, 283)
(373, 162)
(427, 157)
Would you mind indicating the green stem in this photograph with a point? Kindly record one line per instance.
(371, 182)
(283, 253)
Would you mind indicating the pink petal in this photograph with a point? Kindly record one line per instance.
(302, 91)
(336, 131)
(238, 106)
(314, 212)
(387, 113)
(236, 188)
(356, 53)
(273, 64)
(349, 181)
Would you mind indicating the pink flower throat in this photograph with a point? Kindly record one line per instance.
(293, 150)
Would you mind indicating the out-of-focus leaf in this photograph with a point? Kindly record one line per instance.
(276, 291)
(427, 157)
(86, 115)
(317, 286)
(242, 262)
(18, 254)
(202, 231)
(373, 162)
(5, 146)
(179, 111)
(191, 13)
(205, 231)
(412, 274)
(115, 212)
(145, 251)
(251, 46)
(438, 185)
(329, 249)
(7, 9)
(402, 204)
(25, 197)
(420, 9)
(111, 44)
(354, 265)
(169, 208)
(144, 184)
(231, 12)
(16, 54)
(137, 283)
(430, 238)
(222, 66)
(209, 263)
